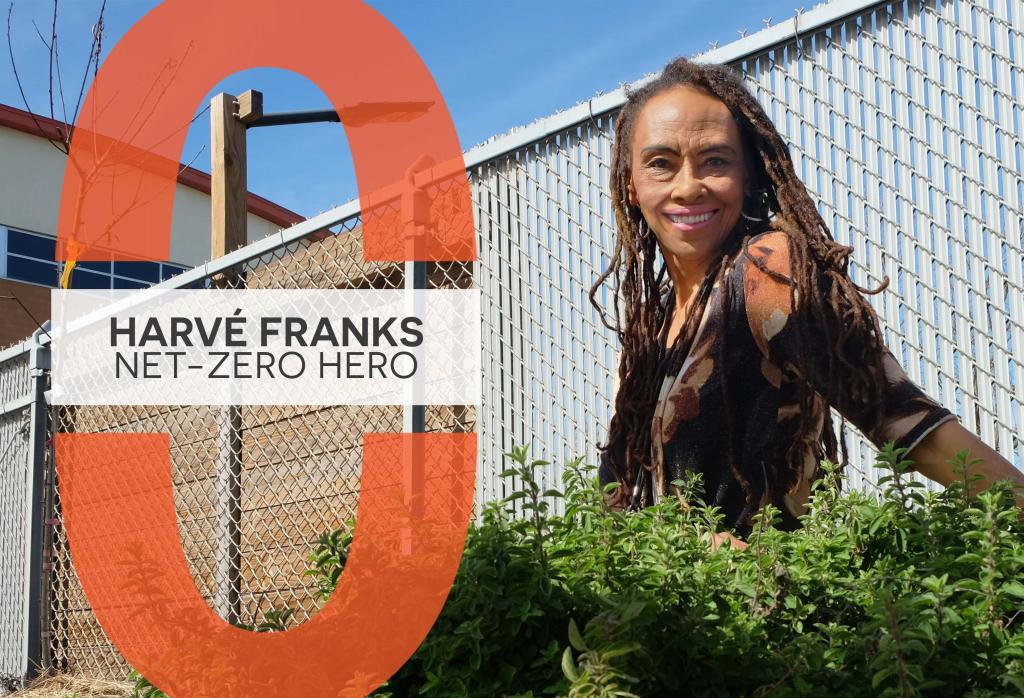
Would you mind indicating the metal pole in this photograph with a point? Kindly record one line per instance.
(416, 221)
(39, 368)
(413, 414)
(229, 515)
(413, 420)
(228, 198)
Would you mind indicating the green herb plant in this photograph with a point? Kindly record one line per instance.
(898, 592)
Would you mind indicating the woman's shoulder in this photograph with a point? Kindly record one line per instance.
(764, 274)
(768, 251)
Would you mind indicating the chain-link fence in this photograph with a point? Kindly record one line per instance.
(904, 121)
(15, 448)
(23, 439)
(254, 486)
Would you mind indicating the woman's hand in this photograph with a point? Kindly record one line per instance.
(717, 539)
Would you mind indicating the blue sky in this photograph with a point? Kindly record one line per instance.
(498, 65)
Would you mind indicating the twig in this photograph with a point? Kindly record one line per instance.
(56, 65)
(21, 89)
(94, 58)
(51, 46)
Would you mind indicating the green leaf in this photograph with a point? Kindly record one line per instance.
(575, 639)
(621, 650)
(569, 666)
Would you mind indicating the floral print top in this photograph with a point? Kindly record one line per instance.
(688, 428)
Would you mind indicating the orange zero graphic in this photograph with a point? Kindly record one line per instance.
(116, 488)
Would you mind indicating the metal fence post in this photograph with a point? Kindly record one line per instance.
(229, 530)
(228, 194)
(39, 371)
(415, 219)
(412, 413)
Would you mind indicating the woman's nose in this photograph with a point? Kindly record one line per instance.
(686, 186)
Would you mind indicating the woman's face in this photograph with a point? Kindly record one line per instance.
(688, 174)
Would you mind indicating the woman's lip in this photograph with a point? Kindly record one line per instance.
(688, 227)
(689, 210)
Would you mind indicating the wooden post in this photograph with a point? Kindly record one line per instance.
(250, 106)
(228, 191)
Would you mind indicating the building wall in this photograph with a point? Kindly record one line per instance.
(31, 175)
(32, 169)
(15, 323)
(190, 228)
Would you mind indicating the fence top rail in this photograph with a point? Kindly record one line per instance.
(261, 247)
(23, 347)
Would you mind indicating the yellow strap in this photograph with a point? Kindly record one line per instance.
(69, 263)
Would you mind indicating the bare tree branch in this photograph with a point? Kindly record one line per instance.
(56, 70)
(39, 33)
(101, 165)
(62, 147)
(52, 46)
(94, 60)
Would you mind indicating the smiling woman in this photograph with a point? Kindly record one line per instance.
(730, 365)
(689, 183)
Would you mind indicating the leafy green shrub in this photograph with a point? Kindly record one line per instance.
(275, 620)
(911, 593)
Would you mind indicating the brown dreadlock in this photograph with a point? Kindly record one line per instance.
(822, 294)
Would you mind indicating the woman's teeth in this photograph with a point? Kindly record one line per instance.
(690, 220)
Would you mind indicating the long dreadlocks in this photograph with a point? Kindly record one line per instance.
(822, 294)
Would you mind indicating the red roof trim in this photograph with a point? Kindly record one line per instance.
(41, 126)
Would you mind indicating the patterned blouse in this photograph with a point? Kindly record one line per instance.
(688, 429)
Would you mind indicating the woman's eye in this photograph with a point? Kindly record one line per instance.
(658, 164)
(717, 162)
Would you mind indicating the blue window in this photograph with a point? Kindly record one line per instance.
(82, 278)
(101, 267)
(28, 245)
(142, 271)
(32, 270)
(29, 257)
(169, 270)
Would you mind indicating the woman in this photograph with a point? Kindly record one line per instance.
(729, 366)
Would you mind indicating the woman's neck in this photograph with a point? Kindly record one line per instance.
(687, 272)
(686, 279)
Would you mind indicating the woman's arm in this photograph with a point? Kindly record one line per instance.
(906, 411)
(932, 456)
